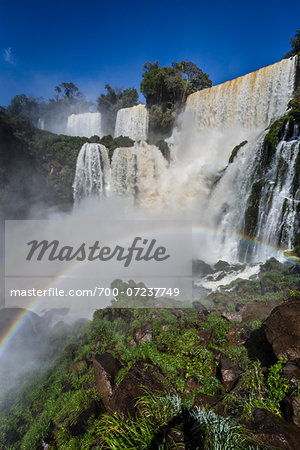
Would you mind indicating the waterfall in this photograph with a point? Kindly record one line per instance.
(92, 174)
(252, 101)
(86, 125)
(137, 172)
(132, 122)
(41, 124)
(243, 197)
(279, 199)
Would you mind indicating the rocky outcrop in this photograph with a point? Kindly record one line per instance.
(106, 368)
(142, 375)
(273, 432)
(283, 330)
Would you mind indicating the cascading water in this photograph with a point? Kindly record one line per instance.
(92, 176)
(87, 125)
(136, 173)
(200, 180)
(132, 122)
(279, 197)
(41, 124)
(251, 101)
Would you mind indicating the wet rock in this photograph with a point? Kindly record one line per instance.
(205, 336)
(232, 316)
(106, 368)
(143, 374)
(228, 373)
(283, 330)
(221, 265)
(200, 268)
(238, 335)
(144, 334)
(272, 431)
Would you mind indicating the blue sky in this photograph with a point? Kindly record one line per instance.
(92, 43)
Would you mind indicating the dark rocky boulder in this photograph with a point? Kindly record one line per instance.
(106, 368)
(82, 423)
(283, 330)
(238, 335)
(258, 347)
(206, 400)
(222, 265)
(258, 310)
(291, 409)
(142, 375)
(200, 268)
(273, 432)
(228, 373)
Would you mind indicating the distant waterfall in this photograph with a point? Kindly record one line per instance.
(41, 124)
(132, 122)
(136, 172)
(252, 101)
(92, 174)
(86, 125)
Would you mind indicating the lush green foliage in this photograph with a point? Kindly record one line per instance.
(112, 101)
(295, 44)
(166, 89)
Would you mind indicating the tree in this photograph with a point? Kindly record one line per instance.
(295, 44)
(170, 86)
(112, 101)
(166, 90)
(69, 90)
(27, 106)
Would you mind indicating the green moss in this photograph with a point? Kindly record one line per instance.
(251, 215)
(235, 151)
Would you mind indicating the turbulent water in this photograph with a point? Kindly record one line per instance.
(136, 173)
(200, 183)
(87, 125)
(251, 101)
(132, 122)
(92, 174)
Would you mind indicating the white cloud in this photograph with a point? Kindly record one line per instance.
(8, 56)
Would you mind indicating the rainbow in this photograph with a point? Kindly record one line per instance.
(20, 319)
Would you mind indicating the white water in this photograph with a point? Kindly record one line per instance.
(132, 122)
(199, 183)
(41, 124)
(136, 172)
(86, 125)
(252, 101)
(92, 174)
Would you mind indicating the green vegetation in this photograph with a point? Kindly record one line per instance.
(295, 44)
(62, 405)
(235, 151)
(112, 101)
(166, 89)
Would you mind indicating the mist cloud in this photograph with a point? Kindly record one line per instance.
(8, 56)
